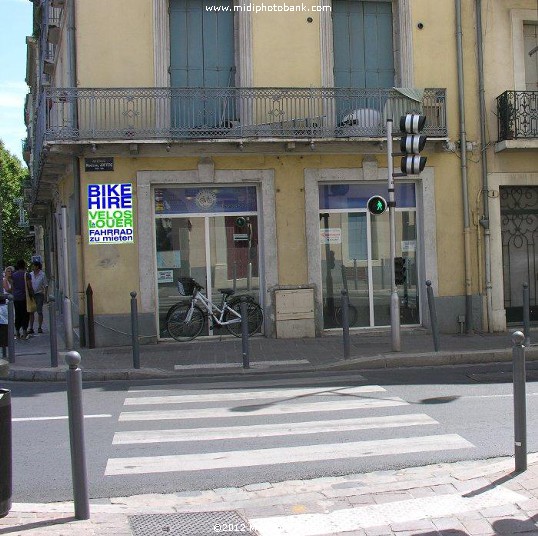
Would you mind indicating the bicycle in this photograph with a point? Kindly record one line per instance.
(186, 321)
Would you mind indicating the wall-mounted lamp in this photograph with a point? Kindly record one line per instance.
(94, 148)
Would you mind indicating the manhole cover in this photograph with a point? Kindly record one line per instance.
(190, 524)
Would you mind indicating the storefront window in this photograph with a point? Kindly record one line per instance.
(355, 254)
(211, 235)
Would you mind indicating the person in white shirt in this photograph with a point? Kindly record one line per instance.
(40, 286)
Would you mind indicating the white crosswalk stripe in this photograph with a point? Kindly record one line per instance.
(252, 395)
(268, 430)
(289, 418)
(303, 453)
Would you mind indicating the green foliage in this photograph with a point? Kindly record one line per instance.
(14, 238)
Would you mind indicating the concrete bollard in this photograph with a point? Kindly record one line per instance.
(520, 404)
(433, 315)
(76, 436)
(244, 331)
(345, 322)
(53, 332)
(134, 331)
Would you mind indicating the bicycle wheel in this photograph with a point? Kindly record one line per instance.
(254, 318)
(352, 315)
(179, 328)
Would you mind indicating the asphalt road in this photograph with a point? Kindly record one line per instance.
(286, 427)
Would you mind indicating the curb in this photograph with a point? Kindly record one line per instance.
(382, 361)
(431, 359)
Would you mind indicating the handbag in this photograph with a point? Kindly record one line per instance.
(31, 305)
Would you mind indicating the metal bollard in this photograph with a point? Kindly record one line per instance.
(89, 315)
(10, 329)
(526, 315)
(134, 331)
(244, 331)
(520, 409)
(433, 315)
(6, 472)
(76, 436)
(345, 322)
(53, 332)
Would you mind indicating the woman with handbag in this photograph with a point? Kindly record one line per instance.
(22, 291)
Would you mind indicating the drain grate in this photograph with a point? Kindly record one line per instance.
(190, 524)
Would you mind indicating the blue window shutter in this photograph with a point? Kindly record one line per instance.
(363, 51)
(201, 43)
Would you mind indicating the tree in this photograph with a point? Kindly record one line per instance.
(15, 244)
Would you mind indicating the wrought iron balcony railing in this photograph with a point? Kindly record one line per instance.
(76, 114)
(517, 115)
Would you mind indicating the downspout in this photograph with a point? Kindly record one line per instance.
(464, 184)
(484, 221)
(75, 164)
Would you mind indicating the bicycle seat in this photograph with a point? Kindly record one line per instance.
(227, 291)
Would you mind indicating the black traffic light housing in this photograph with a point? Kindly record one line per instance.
(400, 275)
(412, 143)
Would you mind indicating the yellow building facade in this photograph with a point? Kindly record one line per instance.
(238, 144)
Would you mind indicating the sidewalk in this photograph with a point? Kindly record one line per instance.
(203, 357)
(476, 498)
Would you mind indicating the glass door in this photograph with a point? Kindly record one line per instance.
(355, 255)
(181, 252)
(218, 248)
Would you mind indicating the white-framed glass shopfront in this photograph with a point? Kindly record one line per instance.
(355, 254)
(209, 233)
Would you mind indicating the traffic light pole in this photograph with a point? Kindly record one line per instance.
(394, 301)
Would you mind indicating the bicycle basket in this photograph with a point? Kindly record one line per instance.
(186, 286)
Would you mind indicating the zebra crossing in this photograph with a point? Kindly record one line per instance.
(218, 428)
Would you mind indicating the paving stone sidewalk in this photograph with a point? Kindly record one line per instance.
(474, 498)
(224, 356)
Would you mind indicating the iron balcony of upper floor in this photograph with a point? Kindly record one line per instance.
(517, 115)
(82, 115)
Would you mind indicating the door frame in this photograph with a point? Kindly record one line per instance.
(206, 175)
(426, 227)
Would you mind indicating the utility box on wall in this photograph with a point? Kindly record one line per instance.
(295, 313)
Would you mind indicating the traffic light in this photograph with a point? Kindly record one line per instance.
(376, 205)
(240, 221)
(399, 270)
(412, 143)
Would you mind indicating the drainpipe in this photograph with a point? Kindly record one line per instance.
(484, 221)
(72, 81)
(463, 147)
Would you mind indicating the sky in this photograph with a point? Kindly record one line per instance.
(16, 17)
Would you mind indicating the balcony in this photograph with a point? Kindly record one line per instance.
(517, 117)
(70, 116)
(150, 114)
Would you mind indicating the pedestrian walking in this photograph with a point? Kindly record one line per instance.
(40, 286)
(4, 291)
(22, 285)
